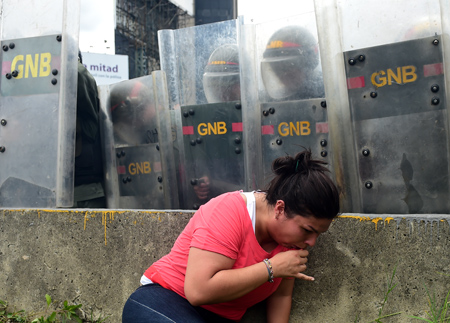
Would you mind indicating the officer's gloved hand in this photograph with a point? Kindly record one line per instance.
(202, 188)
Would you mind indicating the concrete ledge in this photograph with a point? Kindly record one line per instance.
(96, 257)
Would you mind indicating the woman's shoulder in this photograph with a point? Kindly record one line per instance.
(237, 197)
(224, 205)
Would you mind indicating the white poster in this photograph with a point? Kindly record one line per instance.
(106, 69)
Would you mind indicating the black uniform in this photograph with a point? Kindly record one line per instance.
(88, 156)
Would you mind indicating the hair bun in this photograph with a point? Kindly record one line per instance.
(283, 165)
(301, 163)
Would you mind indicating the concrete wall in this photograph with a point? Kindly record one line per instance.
(96, 258)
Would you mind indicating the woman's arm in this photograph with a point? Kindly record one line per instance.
(279, 303)
(209, 278)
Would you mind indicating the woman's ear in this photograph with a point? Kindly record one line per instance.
(279, 208)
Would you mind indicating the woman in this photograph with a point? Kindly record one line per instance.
(241, 248)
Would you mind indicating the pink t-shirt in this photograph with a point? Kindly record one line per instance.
(223, 226)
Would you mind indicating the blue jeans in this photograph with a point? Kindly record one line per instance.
(156, 304)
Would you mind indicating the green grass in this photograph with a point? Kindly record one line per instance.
(390, 286)
(51, 314)
(437, 312)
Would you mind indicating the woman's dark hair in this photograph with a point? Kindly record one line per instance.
(304, 185)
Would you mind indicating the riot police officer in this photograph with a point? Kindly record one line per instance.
(133, 114)
(89, 184)
(221, 83)
(289, 68)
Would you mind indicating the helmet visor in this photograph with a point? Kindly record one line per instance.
(221, 87)
(284, 77)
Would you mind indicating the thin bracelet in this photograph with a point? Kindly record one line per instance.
(269, 269)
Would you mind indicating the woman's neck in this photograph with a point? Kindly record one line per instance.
(264, 213)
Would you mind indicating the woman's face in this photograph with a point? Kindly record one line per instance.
(298, 232)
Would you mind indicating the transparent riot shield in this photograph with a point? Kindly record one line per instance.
(39, 41)
(385, 80)
(202, 67)
(283, 95)
(138, 144)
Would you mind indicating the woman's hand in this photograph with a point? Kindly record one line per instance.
(290, 263)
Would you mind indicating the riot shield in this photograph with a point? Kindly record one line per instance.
(202, 67)
(283, 95)
(39, 41)
(138, 144)
(390, 105)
